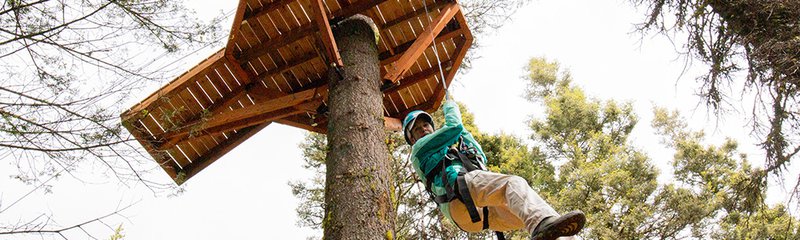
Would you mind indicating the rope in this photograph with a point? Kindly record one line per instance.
(436, 53)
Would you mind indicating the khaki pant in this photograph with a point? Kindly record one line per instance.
(512, 203)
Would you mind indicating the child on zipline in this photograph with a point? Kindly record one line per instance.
(452, 165)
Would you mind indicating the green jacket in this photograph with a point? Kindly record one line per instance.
(429, 151)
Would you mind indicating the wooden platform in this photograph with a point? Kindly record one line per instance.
(274, 69)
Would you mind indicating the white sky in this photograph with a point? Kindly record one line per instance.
(245, 194)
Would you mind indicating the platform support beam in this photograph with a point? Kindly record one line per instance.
(325, 33)
(401, 66)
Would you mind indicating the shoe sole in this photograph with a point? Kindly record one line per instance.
(568, 225)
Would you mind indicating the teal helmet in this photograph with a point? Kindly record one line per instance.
(411, 118)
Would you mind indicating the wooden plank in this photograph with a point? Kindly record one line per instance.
(315, 83)
(262, 63)
(170, 111)
(259, 31)
(432, 8)
(201, 145)
(417, 77)
(306, 72)
(424, 40)
(267, 24)
(218, 87)
(202, 101)
(388, 59)
(229, 120)
(283, 39)
(221, 106)
(291, 15)
(158, 112)
(388, 107)
(162, 159)
(303, 123)
(303, 11)
(247, 121)
(408, 98)
(404, 7)
(247, 33)
(284, 82)
(321, 18)
(225, 86)
(288, 66)
(462, 24)
(386, 10)
(424, 107)
(187, 107)
(265, 9)
(257, 91)
(178, 83)
(392, 124)
(295, 57)
(334, 5)
(150, 123)
(397, 101)
(228, 77)
(237, 22)
(298, 33)
(219, 150)
(187, 151)
(208, 90)
(400, 101)
(236, 69)
(354, 9)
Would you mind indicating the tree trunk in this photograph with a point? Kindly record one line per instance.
(358, 201)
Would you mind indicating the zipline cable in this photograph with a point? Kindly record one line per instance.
(436, 53)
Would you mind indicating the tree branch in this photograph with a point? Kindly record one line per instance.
(60, 231)
(63, 25)
(15, 8)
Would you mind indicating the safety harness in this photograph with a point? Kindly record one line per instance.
(470, 161)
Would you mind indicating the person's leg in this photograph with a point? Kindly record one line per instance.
(500, 218)
(509, 192)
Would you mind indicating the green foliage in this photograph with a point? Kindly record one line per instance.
(729, 190)
(732, 36)
(616, 185)
(509, 155)
(774, 222)
(575, 127)
(117, 233)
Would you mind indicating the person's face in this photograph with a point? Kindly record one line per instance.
(419, 130)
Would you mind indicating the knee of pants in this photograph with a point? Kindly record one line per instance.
(517, 182)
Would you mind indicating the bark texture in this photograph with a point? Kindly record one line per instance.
(358, 202)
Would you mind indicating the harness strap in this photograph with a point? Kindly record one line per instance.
(450, 193)
(463, 193)
(466, 162)
(469, 163)
(485, 218)
(440, 169)
(500, 235)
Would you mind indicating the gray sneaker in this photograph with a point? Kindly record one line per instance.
(567, 225)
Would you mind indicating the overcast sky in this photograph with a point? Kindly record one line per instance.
(244, 195)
